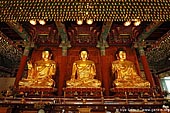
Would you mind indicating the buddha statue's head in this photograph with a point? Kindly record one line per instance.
(46, 54)
(83, 54)
(121, 54)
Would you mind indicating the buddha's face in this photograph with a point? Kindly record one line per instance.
(45, 55)
(122, 55)
(83, 55)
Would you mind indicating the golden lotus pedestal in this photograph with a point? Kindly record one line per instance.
(83, 92)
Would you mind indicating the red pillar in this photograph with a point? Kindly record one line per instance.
(23, 62)
(105, 74)
(147, 71)
(63, 70)
(158, 83)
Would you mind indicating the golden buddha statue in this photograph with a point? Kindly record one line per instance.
(40, 74)
(83, 73)
(126, 73)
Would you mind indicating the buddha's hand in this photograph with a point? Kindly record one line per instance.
(47, 65)
(29, 63)
(72, 79)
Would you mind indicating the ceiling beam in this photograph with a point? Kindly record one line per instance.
(65, 43)
(17, 27)
(102, 43)
(105, 30)
(148, 30)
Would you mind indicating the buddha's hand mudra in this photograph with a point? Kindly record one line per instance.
(29, 63)
(72, 78)
(47, 65)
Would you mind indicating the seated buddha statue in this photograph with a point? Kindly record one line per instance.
(40, 73)
(83, 73)
(126, 73)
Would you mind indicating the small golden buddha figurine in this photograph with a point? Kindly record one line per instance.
(126, 73)
(40, 74)
(83, 73)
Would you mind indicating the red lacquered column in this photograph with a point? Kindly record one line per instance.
(63, 71)
(22, 66)
(105, 73)
(146, 67)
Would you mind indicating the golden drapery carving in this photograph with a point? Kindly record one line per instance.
(40, 73)
(126, 73)
(85, 70)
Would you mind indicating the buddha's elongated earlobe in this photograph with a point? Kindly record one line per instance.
(80, 57)
(87, 57)
(117, 57)
(49, 56)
